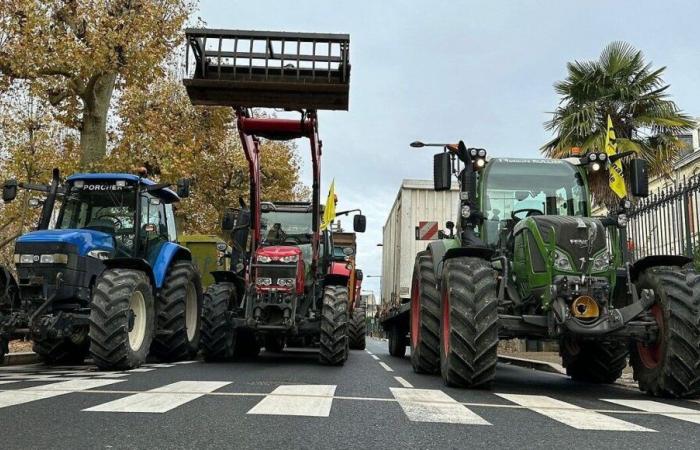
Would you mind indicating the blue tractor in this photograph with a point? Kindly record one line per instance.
(109, 278)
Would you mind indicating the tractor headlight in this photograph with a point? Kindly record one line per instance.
(99, 254)
(263, 281)
(55, 258)
(622, 220)
(595, 167)
(290, 259)
(601, 262)
(264, 259)
(23, 259)
(466, 211)
(561, 261)
(286, 282)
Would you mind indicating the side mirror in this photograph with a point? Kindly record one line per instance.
(359, 275)
(9, 191)
(183, 187)
(228, 223)
(359, 223)
(442, 172)
(639, 178)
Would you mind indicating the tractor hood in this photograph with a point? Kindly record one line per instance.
(277, 252)
(574, 235)
(83, 240)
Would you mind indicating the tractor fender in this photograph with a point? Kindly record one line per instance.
(131, 263)
(445, 249)
(642, 264)
(169, 253)
(226, 276)
(336, 280)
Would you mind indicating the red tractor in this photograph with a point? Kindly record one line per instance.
(277, 286)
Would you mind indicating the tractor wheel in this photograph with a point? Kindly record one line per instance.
(218, 336)
(594, 362)
(178, 314)
(122, 320)
(469, 325)
(334, 326)
(671, 366)
(357, 328)
(425, 316)
(274, 343)
(397, 341)
(63, 351)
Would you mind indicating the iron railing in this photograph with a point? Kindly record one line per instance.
(667, 222)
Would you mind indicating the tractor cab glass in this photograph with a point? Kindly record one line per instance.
(514, 189)
(286, 228)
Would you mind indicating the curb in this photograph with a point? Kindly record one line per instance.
(12, 359)
(532, 364)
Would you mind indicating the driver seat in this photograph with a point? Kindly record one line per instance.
(102, 225)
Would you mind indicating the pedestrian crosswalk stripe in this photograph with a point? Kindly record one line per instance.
(9, 381)
(30, 394)
(570, 414)
(157, 366)
(672, 411)
(313, 400)
(141, 369)
(432, 405)
(162, 399)
(185, 362)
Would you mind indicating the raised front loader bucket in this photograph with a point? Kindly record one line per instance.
(268, 69)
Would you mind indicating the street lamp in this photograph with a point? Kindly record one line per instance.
(419, 144)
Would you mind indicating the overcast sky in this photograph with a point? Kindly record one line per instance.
(481, 71)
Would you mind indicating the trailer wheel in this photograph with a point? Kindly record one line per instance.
(121, 319)
(62, 351)
(178, 314)
(334, 326)
(357, 328)
(594, 362)
(218, 336)
(425, 316)
(274, 343)
(671, 366)
(469, 326)
(397, 341)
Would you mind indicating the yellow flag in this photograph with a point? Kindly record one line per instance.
(329, 212)
(617, 179)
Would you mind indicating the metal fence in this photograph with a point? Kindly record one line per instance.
(667, 222)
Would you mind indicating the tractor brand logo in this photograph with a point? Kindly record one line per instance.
(583, 243)
(102, 187)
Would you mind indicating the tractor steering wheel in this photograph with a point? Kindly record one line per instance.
(294, 239)
(117, 221)
(530, 212)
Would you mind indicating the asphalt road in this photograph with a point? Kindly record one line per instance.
(289, 401)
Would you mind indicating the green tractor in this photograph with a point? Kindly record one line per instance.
(527, 260)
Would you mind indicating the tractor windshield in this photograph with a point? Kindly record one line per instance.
(286, 227)
(518, 188)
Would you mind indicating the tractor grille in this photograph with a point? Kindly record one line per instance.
(275, 271)
(574, 235)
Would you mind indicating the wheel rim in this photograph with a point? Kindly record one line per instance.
(415, 313)
(191, 311)
(651, 355)
(445, 322)
(137, 333)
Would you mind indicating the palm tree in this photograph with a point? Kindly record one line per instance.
(620, 84)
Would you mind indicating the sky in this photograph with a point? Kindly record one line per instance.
(441, 71)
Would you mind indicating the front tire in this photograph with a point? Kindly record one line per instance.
(179, 311)
(594, 362)
(397, 341)
(425, 316)
(334, 326)
(671, 366)
(218, 336)
(63, 351)
(121, 319)
(469, 326)
(357, 328)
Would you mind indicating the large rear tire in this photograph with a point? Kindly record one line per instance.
(122, 319)
(179, 312)
(469, 325)
(218, 336)
(357, 328)
(671, 366)
(63, 351)
(594, 362)
(397, 341)
(425, 316)
(334, 326)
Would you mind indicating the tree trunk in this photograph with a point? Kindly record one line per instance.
(93, 132)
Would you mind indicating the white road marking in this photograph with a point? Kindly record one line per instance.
(386, 367)
(141, 369)
(20, 367)
(30, 394)
(432, 405)
(185, 362)
(9, 381)
(368, 352)
(157, 366)
(571, 415)
(111, 375)
(375, 357)
(674, 412)
(162, 399)
(403, 382)
(313, 400)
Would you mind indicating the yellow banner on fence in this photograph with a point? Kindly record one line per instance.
(617, 178)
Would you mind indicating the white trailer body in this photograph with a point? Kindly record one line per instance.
(416, 202)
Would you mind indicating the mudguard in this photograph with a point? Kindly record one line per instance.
(642, 264)
(169, 252)
(445, 249)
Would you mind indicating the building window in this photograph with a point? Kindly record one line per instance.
(686, 144)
